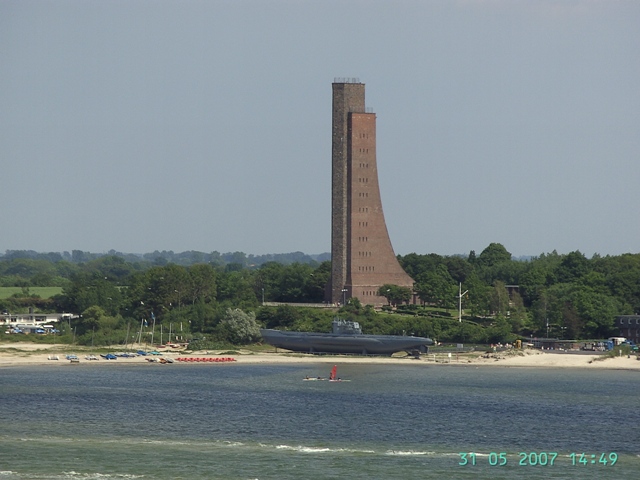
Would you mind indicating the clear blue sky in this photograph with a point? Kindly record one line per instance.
(206, 125)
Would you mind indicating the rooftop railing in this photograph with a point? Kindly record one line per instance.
(346, 80)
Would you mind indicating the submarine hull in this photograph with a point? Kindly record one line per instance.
(309, 342)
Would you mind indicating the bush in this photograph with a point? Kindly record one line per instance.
(209, 344)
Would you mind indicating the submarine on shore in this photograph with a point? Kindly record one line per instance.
(346, 337)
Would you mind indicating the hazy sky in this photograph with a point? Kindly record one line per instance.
(206, 125)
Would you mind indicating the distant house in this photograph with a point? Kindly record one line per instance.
(33, 322)
(629, 326)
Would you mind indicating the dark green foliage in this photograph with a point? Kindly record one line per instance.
(494, 254)
(86, 290)
(566, 296)
(436, 287)
(395, 294)
(296, 283)
(572, 267)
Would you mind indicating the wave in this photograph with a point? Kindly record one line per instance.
(204, 445)
(69, 476)
(88, 476)
(310, 449)
(408, 452)
(134, 441)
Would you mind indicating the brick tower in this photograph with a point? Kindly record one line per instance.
(362, 258)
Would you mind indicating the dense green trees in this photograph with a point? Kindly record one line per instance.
(293, 283)
(86, 290)
(436, 287)
(568, 296)
(395, 294)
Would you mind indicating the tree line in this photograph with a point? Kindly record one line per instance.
(566, 296)
(558, 295)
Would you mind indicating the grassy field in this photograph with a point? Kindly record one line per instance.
(42, 292)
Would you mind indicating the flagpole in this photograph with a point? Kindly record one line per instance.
(460, 294)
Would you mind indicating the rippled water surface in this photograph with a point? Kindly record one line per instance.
(226, 421)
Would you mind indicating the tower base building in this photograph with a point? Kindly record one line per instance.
(362, 258)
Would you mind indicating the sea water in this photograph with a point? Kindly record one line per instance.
(234, 421)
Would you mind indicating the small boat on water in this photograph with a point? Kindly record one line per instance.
(333, 377)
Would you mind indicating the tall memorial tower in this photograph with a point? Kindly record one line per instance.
(362, 258)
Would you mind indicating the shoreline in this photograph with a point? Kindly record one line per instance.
(26, 354)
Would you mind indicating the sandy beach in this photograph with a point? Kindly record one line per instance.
(21, 354)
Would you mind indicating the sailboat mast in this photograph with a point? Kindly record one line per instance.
(126, 339)
(140, 335)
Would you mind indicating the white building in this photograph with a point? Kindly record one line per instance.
(29, 322)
